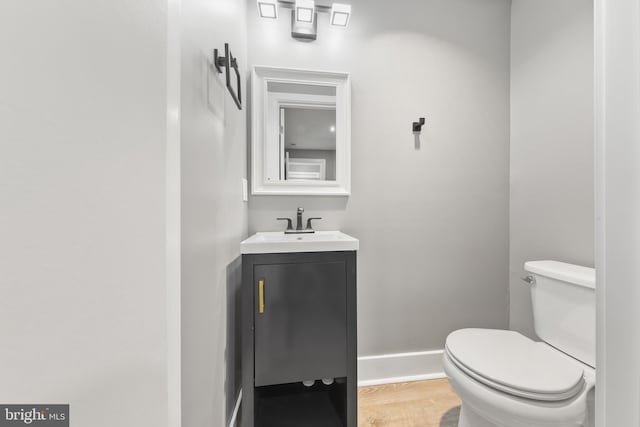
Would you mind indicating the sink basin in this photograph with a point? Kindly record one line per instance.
(271, 242)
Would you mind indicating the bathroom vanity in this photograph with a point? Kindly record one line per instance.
(299, 325)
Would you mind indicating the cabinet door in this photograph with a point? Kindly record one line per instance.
(300, 322)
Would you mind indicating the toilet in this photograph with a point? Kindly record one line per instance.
(505, 379)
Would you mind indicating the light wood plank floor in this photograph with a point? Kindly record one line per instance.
(416, 404)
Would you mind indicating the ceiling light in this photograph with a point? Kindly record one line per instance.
(304, 13)
(305, 9)
(268, 8)
(340, 14)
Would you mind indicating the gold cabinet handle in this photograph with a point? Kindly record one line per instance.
(261, 295)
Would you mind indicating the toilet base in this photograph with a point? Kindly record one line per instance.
(470, 418)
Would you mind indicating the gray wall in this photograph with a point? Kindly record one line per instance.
(551, 141)
(432, 217)
(214, 217)
(82, 201)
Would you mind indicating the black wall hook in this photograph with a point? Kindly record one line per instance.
(417, 126)
(228, 61)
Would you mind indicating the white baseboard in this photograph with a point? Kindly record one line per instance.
(400, 367)
(236, 409)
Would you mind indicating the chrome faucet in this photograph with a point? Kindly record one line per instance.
(298, 229)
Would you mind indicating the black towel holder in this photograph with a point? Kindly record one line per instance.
(227, 62)
(417, 126)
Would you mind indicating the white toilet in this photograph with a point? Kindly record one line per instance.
(505, 379)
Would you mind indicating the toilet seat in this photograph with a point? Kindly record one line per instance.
(512, 363)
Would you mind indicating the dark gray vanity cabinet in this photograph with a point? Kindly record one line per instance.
(299, 324)
(301, 331)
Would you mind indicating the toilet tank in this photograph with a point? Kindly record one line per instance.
(564, 307)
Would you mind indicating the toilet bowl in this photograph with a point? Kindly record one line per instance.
(505, 379)
(536, 385)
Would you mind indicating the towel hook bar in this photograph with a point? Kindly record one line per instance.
(224, 64)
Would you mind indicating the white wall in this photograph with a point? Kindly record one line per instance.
(214, 218)
(618, 212)
(551, 205)
(432, 220)
(82, 201)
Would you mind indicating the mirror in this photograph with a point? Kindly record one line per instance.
(301, 132)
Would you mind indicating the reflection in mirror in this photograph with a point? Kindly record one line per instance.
(301, 142)
(309, 143)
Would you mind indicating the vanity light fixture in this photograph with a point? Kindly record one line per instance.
(268, 8)
(305, 10)
(304, 20)
(340, 14)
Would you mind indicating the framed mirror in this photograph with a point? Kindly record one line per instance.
(301, 132)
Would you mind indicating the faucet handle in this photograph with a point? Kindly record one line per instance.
(289, 223)
(300, 210)
(309, 222)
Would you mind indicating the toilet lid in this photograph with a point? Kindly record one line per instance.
(514, 364)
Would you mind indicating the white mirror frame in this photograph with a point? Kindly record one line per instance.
(261, 77)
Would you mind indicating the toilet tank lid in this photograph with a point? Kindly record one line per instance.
(570, 273)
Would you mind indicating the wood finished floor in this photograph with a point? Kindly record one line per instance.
(416, 404)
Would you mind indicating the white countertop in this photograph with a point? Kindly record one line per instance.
(278, 242)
